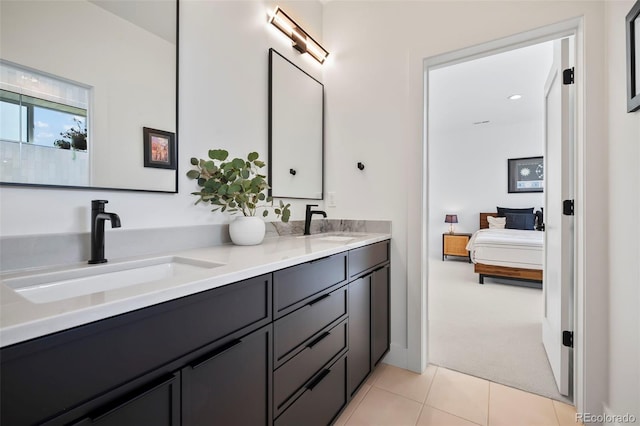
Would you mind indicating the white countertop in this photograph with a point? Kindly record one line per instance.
(21, 319)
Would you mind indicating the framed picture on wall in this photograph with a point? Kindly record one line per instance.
(525, 174)
(633, 58)
(159, 149)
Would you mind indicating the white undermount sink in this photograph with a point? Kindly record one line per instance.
(81, 281)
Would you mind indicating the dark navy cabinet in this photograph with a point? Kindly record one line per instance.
(84, 372)
(284, 348)
(369, 338)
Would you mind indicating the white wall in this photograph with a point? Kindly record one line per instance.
(223, 104)
(375, 113)
(624, 225)
(468, 171)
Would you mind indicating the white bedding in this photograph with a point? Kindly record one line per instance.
(508, 247)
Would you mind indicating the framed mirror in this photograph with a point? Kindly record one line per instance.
(79, 82)
(296, 131)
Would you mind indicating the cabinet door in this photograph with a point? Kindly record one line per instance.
(157, 404)
(380, 335)
(230, 385)
(359, 356)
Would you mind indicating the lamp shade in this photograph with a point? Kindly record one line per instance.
(451, 218)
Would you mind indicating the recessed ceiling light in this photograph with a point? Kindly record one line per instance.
(514, 97)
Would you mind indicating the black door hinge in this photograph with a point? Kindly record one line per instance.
(567, 338)
(568, 76)
(567, 208)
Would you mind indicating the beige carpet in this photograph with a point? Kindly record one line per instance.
(492, 331)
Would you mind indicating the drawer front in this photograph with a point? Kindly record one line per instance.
(101, 356)
(297, 371)
(230, 385)
(292, 287)
(364, 258)
(300, 326)
(321, 402)
(456, 245)
(158, 405)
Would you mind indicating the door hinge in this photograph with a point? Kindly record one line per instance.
(568, 76)
(567, 338)
(568, 207)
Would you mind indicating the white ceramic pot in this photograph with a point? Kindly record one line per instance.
(247, 230)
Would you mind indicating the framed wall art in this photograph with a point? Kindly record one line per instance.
(525, 174)
(159, 149)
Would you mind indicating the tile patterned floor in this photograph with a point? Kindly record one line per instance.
(440, 397)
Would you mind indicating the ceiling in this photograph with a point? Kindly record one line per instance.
(152, 15)
(477, 91)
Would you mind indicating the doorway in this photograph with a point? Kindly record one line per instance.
(432, 235)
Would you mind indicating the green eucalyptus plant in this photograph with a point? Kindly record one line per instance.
(234, 186)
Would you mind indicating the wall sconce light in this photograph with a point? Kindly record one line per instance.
(302, 41)
(451, 219)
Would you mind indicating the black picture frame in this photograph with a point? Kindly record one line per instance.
(159, 148)
(525, 174)
(633, 58)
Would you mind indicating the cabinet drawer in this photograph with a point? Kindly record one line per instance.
(300, 326)
(324, 397)
(367, 257)
(456, 245)
(291, 376)
(292, 287)
(157, 404)
(230, 385)
(101, 356)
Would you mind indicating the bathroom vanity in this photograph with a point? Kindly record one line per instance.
(283, 333)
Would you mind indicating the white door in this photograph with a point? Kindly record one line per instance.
(558, 186)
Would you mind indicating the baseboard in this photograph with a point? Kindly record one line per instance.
(397, 356)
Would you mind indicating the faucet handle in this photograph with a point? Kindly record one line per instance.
(98, 204)
(311, 205)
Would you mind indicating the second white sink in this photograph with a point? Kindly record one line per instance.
(81, 281)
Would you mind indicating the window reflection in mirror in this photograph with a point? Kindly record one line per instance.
(43, 137)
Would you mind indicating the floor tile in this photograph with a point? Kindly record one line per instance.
(461, 395)
(377, 371)
(382, 408)
(406, 383)
(566, 414)
(433, 417)
(353, 404)
(513, 407)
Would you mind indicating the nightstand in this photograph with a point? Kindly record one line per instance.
(455, 245)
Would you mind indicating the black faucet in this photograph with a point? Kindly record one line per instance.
(307, 217)
(98, 216)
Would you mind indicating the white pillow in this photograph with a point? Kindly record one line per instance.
(496, 222)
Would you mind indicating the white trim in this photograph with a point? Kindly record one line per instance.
(417, 327)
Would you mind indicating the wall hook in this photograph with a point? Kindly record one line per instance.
(360, 166)
(292, 171)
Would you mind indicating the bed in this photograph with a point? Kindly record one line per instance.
(507, 253)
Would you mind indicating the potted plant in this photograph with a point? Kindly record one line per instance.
(73, 138)
(236, 186)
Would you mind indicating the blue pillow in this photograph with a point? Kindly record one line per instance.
(526, 222)
(502, 211)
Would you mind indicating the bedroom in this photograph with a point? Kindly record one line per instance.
(477, 126)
